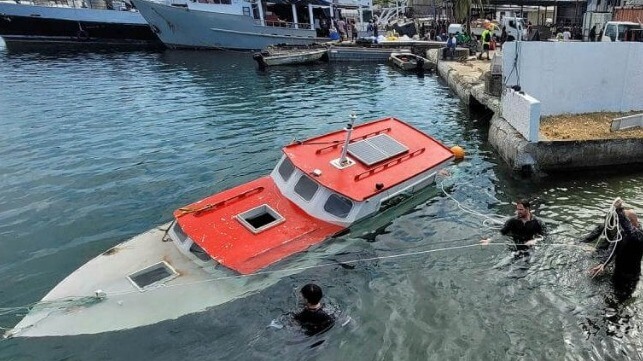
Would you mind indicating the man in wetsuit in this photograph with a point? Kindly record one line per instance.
(522, 228)
(313, 319)
(626, 253)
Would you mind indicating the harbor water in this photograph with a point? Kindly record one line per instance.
(98, 147)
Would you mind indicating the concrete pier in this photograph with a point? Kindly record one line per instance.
(466, 79)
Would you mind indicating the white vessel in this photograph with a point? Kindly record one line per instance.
(238, 24)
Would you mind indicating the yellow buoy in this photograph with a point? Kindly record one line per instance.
(457, 152)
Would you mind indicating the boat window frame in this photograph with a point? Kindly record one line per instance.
(172, 274)
(339, 197)
(311, 182)
(264, 209)
(292, 171)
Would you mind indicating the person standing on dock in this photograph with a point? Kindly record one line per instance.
(626, 253)
(523, 228)
(341, 28)
(353, 27)
(375, 27)
(592, 33)
(486, 41)
(451, 45)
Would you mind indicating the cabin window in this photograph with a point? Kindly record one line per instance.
(199, 252)
(246, 11)
(260, 218)
(152, 274)
(182, 236)
(338, 206)
(286, 169)
(306, 188)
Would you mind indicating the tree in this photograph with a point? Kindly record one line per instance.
(462, 9)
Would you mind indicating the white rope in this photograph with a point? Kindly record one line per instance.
(497, 221)
(611, 223)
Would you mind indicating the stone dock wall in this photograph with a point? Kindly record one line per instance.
(545, 156)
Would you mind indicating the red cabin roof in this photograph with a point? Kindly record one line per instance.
(358, 181)
(213, 224)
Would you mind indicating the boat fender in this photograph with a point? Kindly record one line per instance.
(458, 152)
(100, 294)
(82, 35)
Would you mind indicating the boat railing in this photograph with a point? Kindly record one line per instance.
(79, 4)
(388, 165)
(336, 145)
(212, 206)
(283, 24)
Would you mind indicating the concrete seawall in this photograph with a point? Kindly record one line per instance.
(467, 81)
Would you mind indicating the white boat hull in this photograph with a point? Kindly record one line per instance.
(125, 306)
(180, 27)
(72, 308)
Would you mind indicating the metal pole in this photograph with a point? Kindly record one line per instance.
(349, 130)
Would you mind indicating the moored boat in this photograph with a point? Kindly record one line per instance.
(213, 250)
(244, 25)
(410, 62)
(29, 25)
(274, 56)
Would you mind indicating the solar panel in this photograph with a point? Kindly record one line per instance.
(376, 149)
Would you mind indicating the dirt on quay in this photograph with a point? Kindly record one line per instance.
(585, 127)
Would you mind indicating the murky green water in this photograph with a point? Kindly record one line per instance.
(98, 147)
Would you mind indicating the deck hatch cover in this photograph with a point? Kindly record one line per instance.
(152, 274)
(376, 149)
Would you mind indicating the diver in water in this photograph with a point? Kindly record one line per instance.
(313, 319)
(626, 253)
(523, 228)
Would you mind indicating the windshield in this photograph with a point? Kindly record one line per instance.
(624, 28)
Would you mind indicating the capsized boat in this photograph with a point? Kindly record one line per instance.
(229, 245)
(273, 56)
(410, 62)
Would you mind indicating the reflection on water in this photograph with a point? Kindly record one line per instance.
(98, 147)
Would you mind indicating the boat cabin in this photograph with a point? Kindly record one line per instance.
(319, 187)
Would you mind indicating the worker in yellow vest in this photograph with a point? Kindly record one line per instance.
(486, 40)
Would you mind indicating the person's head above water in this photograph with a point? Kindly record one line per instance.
(312, 294)
(523, 208)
